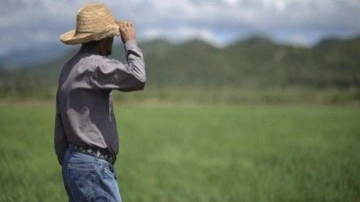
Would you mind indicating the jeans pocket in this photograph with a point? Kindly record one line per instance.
(109, 189)
(81, 180)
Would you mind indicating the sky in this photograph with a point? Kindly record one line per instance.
(31, 23)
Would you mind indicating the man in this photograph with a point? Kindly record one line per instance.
(86, 139)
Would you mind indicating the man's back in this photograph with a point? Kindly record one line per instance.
(86, 109)
(84, 100)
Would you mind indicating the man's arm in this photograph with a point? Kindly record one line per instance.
(60, 140)
(112, 74)
(135, 60)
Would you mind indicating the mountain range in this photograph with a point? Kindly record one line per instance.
(254, 63)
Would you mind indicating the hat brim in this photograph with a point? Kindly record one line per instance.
(73, 38)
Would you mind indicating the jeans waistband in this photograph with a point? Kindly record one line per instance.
(94, 151)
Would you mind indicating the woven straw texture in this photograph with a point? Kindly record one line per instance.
(93, 22)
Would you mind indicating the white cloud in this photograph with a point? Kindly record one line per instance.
(28, 22)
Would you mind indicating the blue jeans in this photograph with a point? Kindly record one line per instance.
(88, 178)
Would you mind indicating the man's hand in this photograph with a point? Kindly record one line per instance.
(127, 31)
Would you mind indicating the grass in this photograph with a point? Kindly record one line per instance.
(198, 153)
(230, 95)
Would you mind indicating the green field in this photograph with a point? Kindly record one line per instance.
(198, 153)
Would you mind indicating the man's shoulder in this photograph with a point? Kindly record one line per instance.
(95, 59)
(89, 62)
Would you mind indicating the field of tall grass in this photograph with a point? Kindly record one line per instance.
(198, 153)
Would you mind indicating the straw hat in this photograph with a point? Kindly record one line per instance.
(93, 22)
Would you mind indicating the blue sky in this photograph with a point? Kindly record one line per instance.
(29, 23)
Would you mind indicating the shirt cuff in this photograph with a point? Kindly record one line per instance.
(130, 45)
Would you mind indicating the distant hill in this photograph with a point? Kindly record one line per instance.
(30, 56)
(254, 63)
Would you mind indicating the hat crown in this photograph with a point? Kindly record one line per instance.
(93, 18)
(93, 22)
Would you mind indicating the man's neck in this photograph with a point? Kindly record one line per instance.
(90, 47)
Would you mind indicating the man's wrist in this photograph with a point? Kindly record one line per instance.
(130, 44)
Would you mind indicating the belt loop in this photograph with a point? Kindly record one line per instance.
(70, 147)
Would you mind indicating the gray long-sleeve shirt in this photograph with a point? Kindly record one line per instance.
(84, 113)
